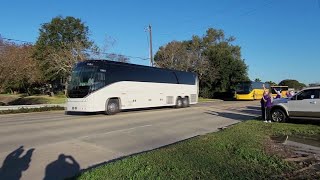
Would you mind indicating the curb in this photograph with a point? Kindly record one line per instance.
(4, 108)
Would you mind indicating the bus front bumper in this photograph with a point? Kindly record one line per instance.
(79, 105)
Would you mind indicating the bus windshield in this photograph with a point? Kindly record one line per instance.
(85, 79)
(243, 88)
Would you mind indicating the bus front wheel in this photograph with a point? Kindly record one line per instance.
(112, 107)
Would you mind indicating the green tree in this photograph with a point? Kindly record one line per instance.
(291, 83)
(257, 80)
(62, 42)
(271, 83)
(213, 57)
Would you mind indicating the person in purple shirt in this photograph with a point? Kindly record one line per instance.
(278, 94)
(263, 102)
(290, 94)
(268, 99)
(263, 105)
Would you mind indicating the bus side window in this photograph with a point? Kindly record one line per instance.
(186, 78)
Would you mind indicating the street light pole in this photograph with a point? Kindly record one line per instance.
(150, 35)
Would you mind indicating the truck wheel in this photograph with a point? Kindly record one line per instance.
(112, 107)
(278, 115)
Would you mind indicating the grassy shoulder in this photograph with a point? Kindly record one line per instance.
(30, 110)
(201, 99)
(21, 99)
(237, 152)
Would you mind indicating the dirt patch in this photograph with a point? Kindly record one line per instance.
(28, 101)
(6, 99)
(15, 100)
(306, 163)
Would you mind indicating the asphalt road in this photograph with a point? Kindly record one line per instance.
(52, 145)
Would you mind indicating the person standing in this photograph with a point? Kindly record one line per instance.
(268, 106)
(263, 102)
(263, 109)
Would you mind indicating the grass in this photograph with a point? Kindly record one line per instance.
(29, 110)
(235, 153)
(46, 99)
(21, 99)
(205, 99)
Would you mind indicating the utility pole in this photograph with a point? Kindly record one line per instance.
(150, 35)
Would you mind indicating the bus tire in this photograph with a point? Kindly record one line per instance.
(185, 102)
(179, 103)
(112, 107)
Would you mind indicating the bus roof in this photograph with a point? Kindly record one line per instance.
(104, 61)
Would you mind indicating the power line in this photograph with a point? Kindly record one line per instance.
(88, 51)
(16, 40)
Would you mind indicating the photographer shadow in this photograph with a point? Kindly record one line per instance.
(62, 168)
(16, 163)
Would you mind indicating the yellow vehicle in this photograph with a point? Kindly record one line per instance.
(282, 89)
(250, 90)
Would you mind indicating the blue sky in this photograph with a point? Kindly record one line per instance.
(279, 38)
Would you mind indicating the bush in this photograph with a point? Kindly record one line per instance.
(206, 93)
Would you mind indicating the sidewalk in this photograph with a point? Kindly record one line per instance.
(30, 106)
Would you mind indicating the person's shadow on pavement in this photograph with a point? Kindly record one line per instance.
(14, 165)
(63, 167)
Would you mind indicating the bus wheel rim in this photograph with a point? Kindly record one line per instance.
(112, 107)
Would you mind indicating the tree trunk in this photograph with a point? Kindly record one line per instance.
(66, 86)
(26, 89)
(51, 93)
(29, 91)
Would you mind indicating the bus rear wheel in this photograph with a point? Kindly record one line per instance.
(179, 103)
(185, 102)
(112, 107)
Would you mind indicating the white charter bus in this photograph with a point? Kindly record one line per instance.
(101, 85)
